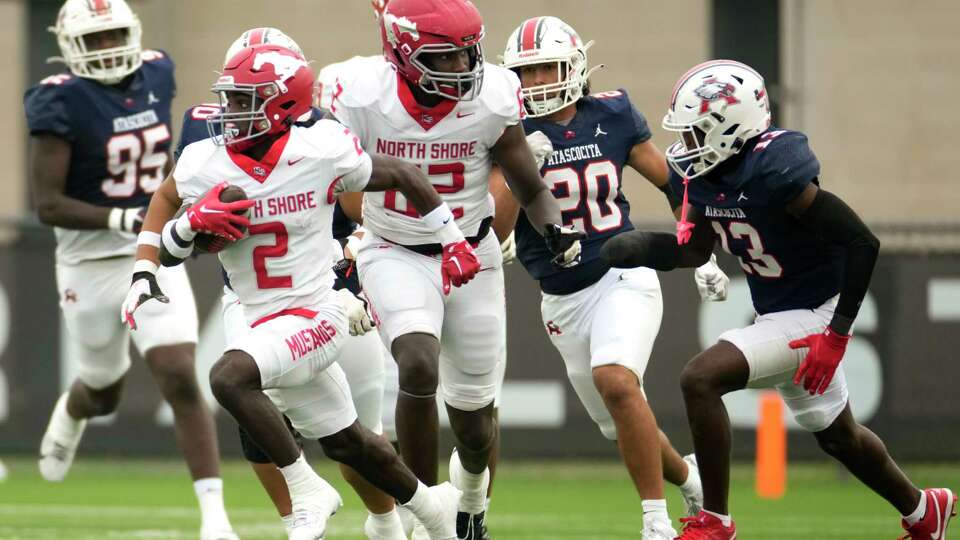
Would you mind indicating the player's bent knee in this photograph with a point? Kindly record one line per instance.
(697, 378)
(232, 373)
(616, 384)
(419, 372)
(347, 446)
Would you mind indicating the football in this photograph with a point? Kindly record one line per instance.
(211, 243)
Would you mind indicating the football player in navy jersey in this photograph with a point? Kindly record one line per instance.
(100, 138)
(361, 359)
(808, 259)
(603, 321)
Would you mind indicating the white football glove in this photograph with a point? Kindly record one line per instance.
(357, 314)
(508, 248)
(541, 147)
(711, 281)
(144, 287)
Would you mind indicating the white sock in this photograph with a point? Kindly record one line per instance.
(917, 514)
(210, 495)
(655, 510)
(385, 524)
(486, 505)
(724, 518)
(424, 506)
(66, 424)
(474, 488)
(691, 484)
(287, 521)
(301, 478)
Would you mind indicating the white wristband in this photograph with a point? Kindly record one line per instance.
(145, 265)
(184, 230)
(438, 217)
(173, 248)
(353, 244)
(115, 219)
(148, 238)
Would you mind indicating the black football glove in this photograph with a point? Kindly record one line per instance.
(564, 243)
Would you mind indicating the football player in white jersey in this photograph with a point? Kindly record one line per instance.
(362, 357)
(100, 139)
(279, 269)
(433, 101)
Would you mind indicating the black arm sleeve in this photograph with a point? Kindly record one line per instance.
(640, 248)
(837, 223)
(672, 197)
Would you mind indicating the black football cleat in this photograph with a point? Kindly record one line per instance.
(472, 526)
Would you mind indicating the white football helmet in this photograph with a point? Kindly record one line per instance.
(716, 107)
(79, 18)
(260, 36)
(543, 40)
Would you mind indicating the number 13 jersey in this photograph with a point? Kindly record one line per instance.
(451, 142)
(119, 140)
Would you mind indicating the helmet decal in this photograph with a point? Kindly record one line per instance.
(711, 90)
(397, 26)
(284, 65)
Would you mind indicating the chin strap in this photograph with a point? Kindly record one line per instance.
(684, 227)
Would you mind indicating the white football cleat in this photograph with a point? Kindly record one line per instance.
(311, 513)
(373, 531)
(218, 533)
(658, 529)
(448, 500)
(60, 442)
(693, 498)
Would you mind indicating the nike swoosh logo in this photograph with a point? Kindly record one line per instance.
(292, 162)
(205, 210)
(936, 534)
(446, 221)
(464, 115)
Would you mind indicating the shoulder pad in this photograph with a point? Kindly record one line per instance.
(501, 91)
(615, 101)
(45, 106)
(785, 162)
(356, 82)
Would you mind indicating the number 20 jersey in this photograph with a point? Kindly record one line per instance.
(451, 142)
(584, 173)
(283, 263)
(119, 138)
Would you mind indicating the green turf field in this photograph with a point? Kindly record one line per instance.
(153, 500)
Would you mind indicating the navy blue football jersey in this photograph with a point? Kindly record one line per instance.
(744, 198)
(584, 173)
(119, 135)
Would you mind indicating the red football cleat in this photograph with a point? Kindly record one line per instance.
(704, 526)
(941, 506)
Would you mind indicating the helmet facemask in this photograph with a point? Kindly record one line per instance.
(546, 99)
(691, 155)
(458, 86)
(108, 65)
(237, 129)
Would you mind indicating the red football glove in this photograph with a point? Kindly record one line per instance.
(817, 369)
(212, 216)
(459, 265)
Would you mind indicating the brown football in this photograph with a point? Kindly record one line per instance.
(210, 243)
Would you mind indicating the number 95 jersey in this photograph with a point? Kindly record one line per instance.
(450, 141)
(284, 263)
(119, 139)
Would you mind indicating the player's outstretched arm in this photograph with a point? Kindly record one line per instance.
(661, 251)
(520, 169)
(49, 164)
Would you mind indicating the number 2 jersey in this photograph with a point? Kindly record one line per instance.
(451, 141)
(120, 142)
(283, 264)
(787, 266)
(584, 173)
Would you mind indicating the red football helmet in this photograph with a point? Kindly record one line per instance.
(411, 28)
(279, 85)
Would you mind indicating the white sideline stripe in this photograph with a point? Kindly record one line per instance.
(943, 299)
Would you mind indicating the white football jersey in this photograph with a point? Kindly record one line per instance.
(284, 261)
(450, 142)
